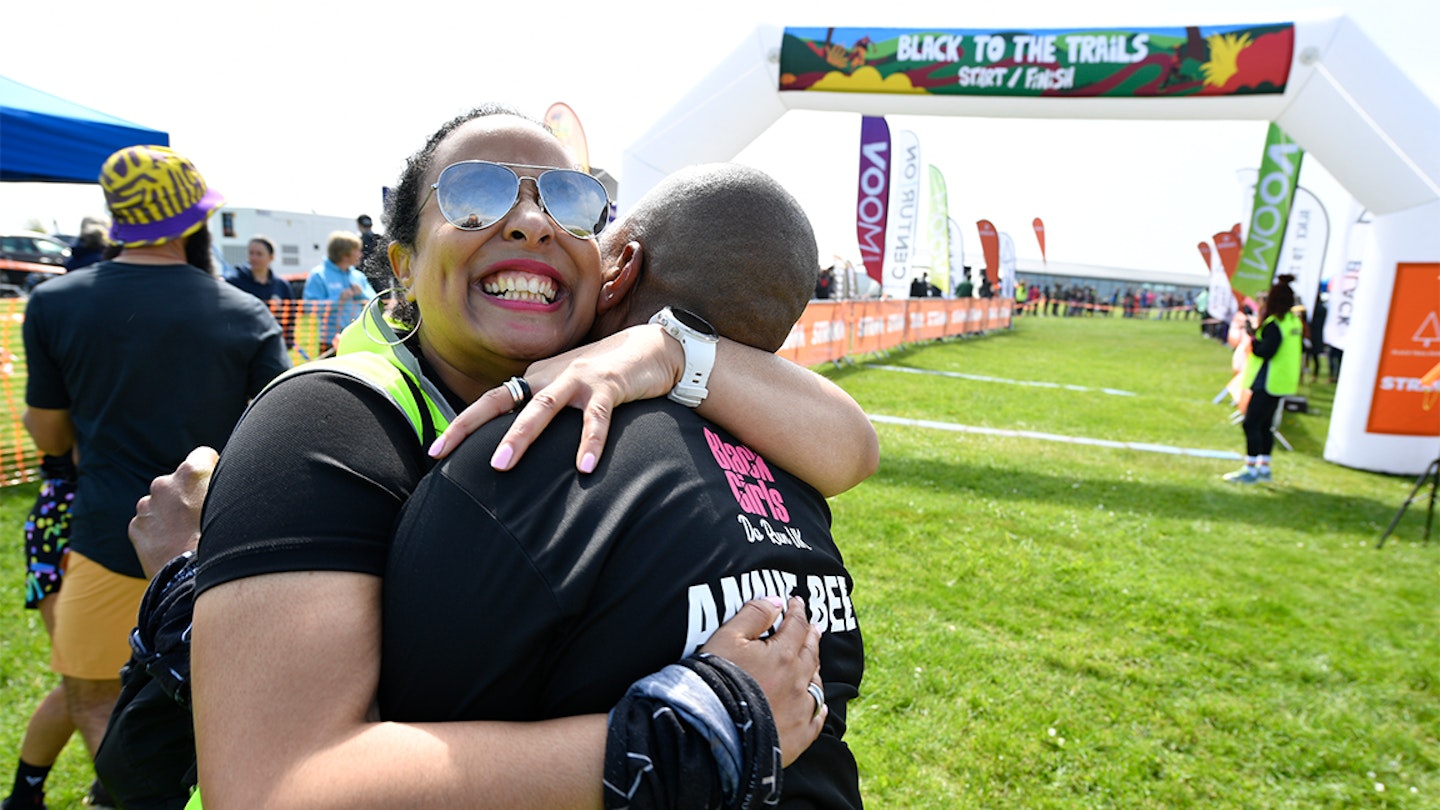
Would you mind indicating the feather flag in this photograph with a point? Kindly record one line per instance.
(1270, 214)
(990, 244)
(903, 230)
(566, 125)
(939, 227)
(872, 207)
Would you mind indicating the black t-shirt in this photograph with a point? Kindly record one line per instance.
(151, 361)
(543, 593)
(311, 480)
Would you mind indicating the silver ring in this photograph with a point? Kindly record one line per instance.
(519, 391)
(819, 695)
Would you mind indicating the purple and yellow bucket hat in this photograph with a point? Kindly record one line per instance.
(155, 195)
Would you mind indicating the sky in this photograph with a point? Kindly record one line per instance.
(291, 106)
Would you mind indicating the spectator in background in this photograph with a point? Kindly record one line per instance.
(825, 283)
(258, 278)
(1317, 337)
(369, 240)
(920, 287)
(966, 287)
(338, 282)
(132, 363)
(370, 244)
(90, 247)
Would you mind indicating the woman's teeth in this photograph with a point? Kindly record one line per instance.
(521, 287)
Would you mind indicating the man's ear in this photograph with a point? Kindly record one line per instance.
(621, 277)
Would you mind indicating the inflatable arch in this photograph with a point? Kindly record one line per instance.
(1343, 101)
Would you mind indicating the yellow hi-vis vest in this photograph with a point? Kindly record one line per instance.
(1283, 378)
(369, 351)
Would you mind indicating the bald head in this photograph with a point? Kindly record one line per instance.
(726, 242)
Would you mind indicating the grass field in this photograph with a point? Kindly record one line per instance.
(1052, 625)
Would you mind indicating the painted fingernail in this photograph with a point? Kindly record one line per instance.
(501, 459)
(437, 447)
(587, 463)
(776, 601)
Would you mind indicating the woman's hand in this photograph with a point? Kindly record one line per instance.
(785, 665)
(635, 363)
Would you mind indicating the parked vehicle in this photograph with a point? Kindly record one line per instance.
(26, 257)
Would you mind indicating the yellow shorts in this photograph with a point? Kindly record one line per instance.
(94, 615)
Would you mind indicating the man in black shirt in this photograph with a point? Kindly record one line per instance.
(542, 592)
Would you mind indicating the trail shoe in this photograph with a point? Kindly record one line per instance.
(11, 803)
(1262, 475)
(1247, 475)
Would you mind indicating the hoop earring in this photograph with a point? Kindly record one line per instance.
(367, 314)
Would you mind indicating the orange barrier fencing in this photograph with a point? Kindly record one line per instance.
(833, 330)
(828, 331)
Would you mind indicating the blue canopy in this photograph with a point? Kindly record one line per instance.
(46, 139)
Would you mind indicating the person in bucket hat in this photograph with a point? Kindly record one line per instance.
(132, 363)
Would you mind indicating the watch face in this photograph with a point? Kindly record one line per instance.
(694, 321)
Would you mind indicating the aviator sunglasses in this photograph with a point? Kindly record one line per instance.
(475, 194)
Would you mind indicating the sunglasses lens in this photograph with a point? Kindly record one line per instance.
(476, 195)
(576, 201)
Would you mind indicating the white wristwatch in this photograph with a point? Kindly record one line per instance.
(697, 338)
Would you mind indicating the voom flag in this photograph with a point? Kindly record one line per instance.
(872, 207)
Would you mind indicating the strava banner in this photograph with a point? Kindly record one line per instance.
(873, 206)
(1403, 404)
(938, 224)
(1039, 227)
(1270, 215)
(901, 234)
(990, 244)
(1212, 60)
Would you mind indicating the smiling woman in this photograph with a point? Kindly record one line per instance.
(287, 612)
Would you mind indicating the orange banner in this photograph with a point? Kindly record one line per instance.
(990, 243)
(1040, 236)
(1205, 254)
(1402, 403)
(1227, 247)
